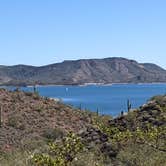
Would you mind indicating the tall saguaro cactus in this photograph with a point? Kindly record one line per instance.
(128, 105)
(34, 88)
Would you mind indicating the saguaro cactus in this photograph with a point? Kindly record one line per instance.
(128, 105)
(34, 88)
(97, 111)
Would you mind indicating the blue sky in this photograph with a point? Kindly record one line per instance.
(38, 32)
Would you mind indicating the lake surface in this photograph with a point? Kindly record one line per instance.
(107, 99)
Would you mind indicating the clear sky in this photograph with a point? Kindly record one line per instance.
(38, 32)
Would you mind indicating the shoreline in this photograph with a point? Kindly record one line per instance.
(86, 84)
(98, 84)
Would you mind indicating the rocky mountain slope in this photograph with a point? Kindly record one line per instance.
(35, 130)
(108, 70)
(26, 115)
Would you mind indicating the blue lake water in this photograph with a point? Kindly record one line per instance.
(107, 99)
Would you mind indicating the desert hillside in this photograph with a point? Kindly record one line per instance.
(39, 131)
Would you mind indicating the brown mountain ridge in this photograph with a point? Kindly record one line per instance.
(75, 72)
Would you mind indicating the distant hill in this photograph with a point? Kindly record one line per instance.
(104, 71)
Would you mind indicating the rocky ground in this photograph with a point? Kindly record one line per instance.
(152, 113)
(30, 122)
(26, 115)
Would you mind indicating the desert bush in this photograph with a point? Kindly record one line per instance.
(16, 122)
(53, 133)
(16, 158)
(88, 159)
(141, 155)
(12, 121)
(39, 109)
(160, 99)
(29, 93)
(61, 153)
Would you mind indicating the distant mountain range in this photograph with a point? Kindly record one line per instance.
(99, 71)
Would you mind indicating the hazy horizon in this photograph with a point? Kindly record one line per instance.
(39, 32)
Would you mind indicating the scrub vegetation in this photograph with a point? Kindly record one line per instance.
(38, 131)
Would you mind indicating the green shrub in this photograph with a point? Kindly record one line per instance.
(53, 133)
(88, 159)
(16, 158)
(13, 121)
(16, 122)
(141, 155)
(61, 153)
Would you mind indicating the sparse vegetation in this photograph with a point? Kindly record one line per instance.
(37, 132)
(53, 134)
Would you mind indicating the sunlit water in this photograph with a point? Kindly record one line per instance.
(106, 99)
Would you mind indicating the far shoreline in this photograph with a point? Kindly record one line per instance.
(83, 85)
(97, 84)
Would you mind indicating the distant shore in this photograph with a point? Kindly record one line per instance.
(98, 84)
(85, 84)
